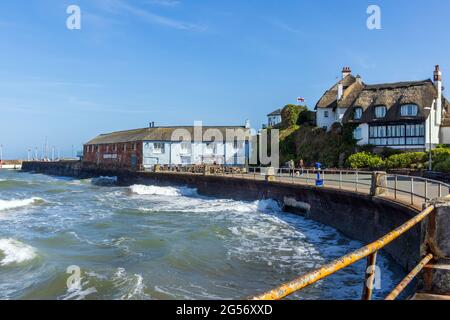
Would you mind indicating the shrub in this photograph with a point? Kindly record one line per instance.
(441, 159)
(365, 160)
(440, 154)
(387, 152)
(443, 166)
(289, 115)
(411, 160)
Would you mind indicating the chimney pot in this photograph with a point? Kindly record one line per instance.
(346, 71)
(437, 73)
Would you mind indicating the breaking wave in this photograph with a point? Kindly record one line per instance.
(15, 252)
(104, 181)
(162, 191)
(18, 203)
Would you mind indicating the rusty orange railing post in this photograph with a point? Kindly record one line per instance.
(409, 278)
(369, 276)
(369, 250)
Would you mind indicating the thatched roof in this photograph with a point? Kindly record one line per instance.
(446, 107)
(393, 96)
(157, 134)
(328, 100)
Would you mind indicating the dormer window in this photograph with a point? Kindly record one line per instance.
(358, 114)
(380, 111)
(409, 110)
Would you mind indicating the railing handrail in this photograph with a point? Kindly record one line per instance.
(420, 178)
(345, 261)
(332, 178)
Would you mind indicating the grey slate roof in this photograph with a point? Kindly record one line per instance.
(275, 113)
(156, 134)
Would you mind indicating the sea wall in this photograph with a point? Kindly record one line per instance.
(358, 216)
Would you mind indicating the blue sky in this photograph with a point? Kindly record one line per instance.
(176, 61)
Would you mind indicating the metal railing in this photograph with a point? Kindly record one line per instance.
(401, 188)
(370, 252)
(407, 189)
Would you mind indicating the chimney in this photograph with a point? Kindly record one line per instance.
(340, 91)
(346, 71)
(438, 83)
(359, 79)
(151, 124)
(247, 124)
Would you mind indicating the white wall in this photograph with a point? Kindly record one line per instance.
(364, 134)
(444, 136)
(323, 121)
(435, 129)
(273, 120)
(199, 153)
(340, 114)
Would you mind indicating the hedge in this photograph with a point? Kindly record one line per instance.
(362, 160)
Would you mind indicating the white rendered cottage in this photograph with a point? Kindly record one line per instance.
(403, 115)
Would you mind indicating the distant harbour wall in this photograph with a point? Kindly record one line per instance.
(358, 216)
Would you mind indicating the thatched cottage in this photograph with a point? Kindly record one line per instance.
(406, 115)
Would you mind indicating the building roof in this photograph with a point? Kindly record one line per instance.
(357, 94)
(393, 96)
(160, 134)
(275, 113)
(329, 99)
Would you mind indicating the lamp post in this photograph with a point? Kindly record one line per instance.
(1, 154)
(430, 159)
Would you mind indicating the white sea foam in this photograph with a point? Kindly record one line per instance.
(15, 252)
(162, 191)
(17, 203)
(132, 286)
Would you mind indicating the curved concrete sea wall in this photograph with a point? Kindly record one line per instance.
(358, 216)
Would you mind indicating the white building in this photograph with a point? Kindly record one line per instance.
(404, 115)
(274, 118)
(147, 147)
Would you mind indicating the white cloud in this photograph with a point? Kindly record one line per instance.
(119, 6)
(283, 26)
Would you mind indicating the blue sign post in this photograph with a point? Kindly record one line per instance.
(319, 181)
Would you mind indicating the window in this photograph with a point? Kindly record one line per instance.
(397, 135)
(134, 146)
(186, 147)
(409, 110)
(358, 113)
(107, 148)
(357, 134)
(158, 147)
(326, 114)
(212, 147)
(380, 111)
(115, 147)
(124, 147)
(236, 144)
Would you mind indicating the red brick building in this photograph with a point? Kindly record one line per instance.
(144, 148)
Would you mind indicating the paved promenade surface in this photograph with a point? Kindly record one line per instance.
(408, 190)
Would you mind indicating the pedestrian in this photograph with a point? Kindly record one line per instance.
(301, 165)
(291, 167)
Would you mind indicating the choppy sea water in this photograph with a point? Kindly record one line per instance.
(150, 242)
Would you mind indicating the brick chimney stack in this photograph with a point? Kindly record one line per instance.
(438, 84)
(346, 71)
